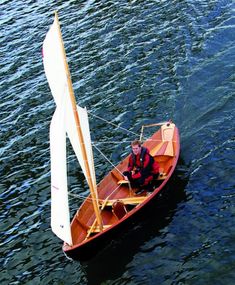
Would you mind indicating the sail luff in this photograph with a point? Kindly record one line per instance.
(79, 131)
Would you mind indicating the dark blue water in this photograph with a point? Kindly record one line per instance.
(132, 63)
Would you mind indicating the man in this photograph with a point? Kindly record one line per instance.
(142, 168)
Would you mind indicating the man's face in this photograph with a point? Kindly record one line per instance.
(136, 149)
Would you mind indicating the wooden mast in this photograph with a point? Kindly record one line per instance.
(79, 131)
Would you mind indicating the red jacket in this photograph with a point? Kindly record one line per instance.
(148, 166)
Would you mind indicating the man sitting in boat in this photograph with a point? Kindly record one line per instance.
(142, 168)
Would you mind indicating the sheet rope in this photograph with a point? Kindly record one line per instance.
(81, 197)
(110, 123)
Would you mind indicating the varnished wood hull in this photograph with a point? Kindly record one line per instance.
(87, 239)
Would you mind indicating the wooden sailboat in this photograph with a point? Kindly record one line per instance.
(112, 203)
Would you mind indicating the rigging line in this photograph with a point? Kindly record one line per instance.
(107, 158)
(124, 141)
(109, 142)
(90, 198)
(119, 142)
(81, 197)
(108, 122)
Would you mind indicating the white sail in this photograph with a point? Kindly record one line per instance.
(54, 65)
(84, 122)
(60, 218)
(73, 120)
(53, 60)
